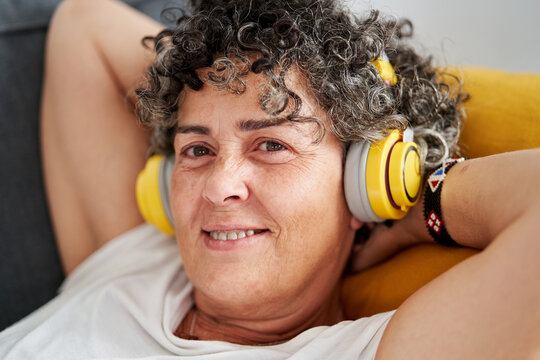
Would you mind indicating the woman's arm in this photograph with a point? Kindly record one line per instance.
(480, 210)
(488, 306)
(92, 146)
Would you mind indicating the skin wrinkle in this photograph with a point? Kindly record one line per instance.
(305, 148)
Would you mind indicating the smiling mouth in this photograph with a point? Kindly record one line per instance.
(233, 234)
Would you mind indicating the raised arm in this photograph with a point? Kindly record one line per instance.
(487, 307)
(92, 146)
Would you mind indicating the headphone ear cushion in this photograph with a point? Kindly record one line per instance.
(382, 180)
(354, 181)
(152, 190)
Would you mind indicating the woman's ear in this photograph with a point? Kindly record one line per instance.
(355, 224)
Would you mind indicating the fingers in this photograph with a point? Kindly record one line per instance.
(380, 245)
(380, 242)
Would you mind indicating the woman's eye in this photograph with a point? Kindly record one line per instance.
(197, 151)
(271, 146)
(273, 152)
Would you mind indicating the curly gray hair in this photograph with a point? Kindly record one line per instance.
(329, 46)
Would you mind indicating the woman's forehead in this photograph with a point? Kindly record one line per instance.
(257, 89)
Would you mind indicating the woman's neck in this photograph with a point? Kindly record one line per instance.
(199, 325)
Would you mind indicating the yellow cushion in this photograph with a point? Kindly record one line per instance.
(503, 114)
(386, 286)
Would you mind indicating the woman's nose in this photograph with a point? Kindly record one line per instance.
(225, 183)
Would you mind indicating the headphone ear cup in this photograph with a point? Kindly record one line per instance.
(152, 190)
(382, 180)
(354, 180)
(405, 174)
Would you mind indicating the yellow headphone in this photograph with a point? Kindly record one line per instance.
(381, 180)
(152, 190)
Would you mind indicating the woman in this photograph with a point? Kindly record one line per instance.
(259, 129)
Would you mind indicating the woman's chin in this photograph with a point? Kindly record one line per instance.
(238, 279)
(233, 297)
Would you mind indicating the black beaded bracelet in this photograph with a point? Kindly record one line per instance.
(432, 204)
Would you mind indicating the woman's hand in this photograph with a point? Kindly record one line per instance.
(388, 238)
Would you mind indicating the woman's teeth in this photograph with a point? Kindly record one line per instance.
(233, 235)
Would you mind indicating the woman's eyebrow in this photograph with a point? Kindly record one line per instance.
(252, 124)
(244, 125)
(202, 130)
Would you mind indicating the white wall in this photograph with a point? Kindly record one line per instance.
(498, 33)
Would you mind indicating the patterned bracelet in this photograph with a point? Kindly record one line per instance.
(432, 204)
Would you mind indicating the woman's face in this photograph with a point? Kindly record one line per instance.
(268, 188)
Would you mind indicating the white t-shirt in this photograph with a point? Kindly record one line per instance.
(126, 300)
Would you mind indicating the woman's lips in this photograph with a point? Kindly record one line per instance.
(232, 239)
(233, 234)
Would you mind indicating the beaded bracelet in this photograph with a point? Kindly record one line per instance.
(432, 204)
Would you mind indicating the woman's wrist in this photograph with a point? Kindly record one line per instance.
(432, 209)
(414, 225)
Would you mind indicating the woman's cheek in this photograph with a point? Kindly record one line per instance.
(283, 183)
(185, 194)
